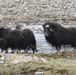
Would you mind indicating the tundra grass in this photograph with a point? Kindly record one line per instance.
(59, 64)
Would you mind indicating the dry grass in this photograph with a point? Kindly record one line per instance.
(59, 64)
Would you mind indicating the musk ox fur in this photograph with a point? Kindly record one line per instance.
(29, 38)
(3, 45)
(14, 38)
(58, 36)
(18, 39)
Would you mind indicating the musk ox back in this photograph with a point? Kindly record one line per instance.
(57, 35)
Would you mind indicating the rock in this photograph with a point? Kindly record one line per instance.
(16, 58)
(35, 10)
(2, 58)
(39, 73)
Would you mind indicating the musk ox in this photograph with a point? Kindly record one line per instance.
(29, 38)
(57, 35)
(3, 45)
(14, 38)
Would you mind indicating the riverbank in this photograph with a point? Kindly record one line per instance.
(63, 63)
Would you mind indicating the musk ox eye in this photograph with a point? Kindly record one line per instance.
(52, 30)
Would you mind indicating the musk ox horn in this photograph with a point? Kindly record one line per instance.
(47, 26)
(52, 30)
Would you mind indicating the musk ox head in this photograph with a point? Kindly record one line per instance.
(50, 27)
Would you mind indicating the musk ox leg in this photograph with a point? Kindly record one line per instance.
(17, 51)
(26, 50)
(6, 51)
(33, 47)
(58, 48)
(13, 51)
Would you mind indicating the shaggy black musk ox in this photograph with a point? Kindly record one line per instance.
(57, 35)
(14, 38)
(3, 45)
(29, 38)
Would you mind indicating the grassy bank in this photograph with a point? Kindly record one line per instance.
(58, 64)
